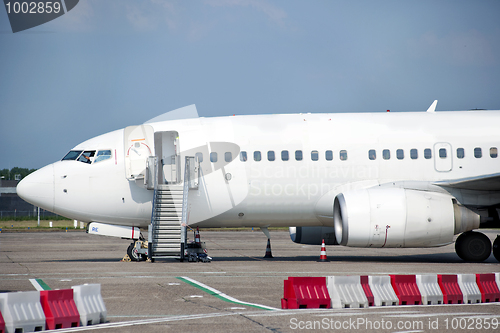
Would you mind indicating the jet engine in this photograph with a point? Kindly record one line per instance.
(398, 217)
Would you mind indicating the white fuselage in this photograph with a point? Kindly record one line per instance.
(327, 154)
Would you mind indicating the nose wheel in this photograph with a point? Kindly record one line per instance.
(134, 255)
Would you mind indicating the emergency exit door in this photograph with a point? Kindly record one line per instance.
(443, 159)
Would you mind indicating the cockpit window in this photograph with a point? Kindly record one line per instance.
(72, 155)
(102, 155)
(86, 157)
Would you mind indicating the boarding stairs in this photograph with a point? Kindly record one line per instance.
(167, 221)
(167, 232)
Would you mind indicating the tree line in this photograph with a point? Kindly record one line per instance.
(11, 174)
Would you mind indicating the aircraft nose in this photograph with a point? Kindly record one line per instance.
(38, 188)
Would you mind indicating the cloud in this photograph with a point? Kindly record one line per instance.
(147, 15)
(274, 14)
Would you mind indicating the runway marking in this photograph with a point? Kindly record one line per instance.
(427, 314)
(221, 295)
(39, 284)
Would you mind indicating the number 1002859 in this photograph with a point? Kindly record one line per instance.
(33, 7)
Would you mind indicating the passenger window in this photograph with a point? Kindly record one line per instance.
(328, 155)
(72, 155)
(343, 155)
(386, 154)
(460, 153)
(372, 154)
(243, 156)
(427, 153)
(400, 154)
(228, 156)
(270, 155)
(478, 152)
(298, 155)
(413, 154)
(213, 157)
(102, 155)
(493, 152)
(284, 155)
(199, 156)
(257, 156)
(314, 155)
(442, 153)
(86, 157)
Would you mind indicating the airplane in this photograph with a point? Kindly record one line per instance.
(379, 180)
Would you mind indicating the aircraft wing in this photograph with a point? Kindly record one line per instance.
(480, 183)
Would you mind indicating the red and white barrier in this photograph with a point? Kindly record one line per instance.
(382, 290)
(450, 288)
(469, 288)
(346, 292)
(488, 287)
(22, 311)
(89, 303)
(429, 289)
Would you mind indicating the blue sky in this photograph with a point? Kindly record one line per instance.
(109, 64)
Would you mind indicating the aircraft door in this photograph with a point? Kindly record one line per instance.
(443, 159)
(167, 151)
(138, 144)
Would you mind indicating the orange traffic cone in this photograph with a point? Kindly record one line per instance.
(197, 236)
(268, 249)
(322, 257)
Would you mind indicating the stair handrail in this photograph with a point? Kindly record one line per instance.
(185, 194)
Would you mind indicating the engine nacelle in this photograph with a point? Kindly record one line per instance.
(398, 217)
(313, 235)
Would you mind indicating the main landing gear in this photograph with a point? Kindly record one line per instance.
(476, 247)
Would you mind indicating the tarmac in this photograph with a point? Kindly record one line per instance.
(239, 290)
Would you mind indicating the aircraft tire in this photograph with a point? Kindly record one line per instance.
(134, 256)
(473, 246)
(496, 248)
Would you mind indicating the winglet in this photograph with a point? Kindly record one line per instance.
(432, 108)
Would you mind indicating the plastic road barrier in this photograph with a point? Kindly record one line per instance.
(2, 324)
(488, 287)
(305, 292)
(429, 289)
(89, 303)
(497, 278)
(383, 293)
(450, 288)
(22, 311)
(368, 291)
(405, 287)
(59, 308)
(469, 288)
(346, 292)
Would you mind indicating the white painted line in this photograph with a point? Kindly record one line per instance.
(223, 296)
(37, 285)
(427, 314)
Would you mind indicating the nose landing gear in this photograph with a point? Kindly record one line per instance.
(137, 251)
